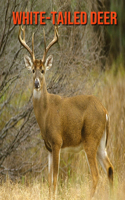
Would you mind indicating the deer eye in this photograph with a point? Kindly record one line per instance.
(42, 71)
(33, 70)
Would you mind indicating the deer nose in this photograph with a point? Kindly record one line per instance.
(37, 84)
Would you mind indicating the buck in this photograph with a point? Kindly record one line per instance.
(74, 123)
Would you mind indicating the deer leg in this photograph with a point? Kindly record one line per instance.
(56, 160)
(50, 173)
(94, 170)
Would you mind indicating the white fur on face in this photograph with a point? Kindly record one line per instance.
(36, 94)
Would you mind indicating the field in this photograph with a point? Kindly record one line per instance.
(77, 183)
(70, 191)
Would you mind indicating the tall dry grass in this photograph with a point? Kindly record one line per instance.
(74, 178)
(69, 191)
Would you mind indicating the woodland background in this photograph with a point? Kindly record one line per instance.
(87, 60)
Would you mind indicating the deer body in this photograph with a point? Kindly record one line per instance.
(67, 121)
(74, 123)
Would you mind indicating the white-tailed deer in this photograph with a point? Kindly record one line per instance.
(74, 123)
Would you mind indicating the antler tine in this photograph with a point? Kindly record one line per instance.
(55, 39)
(23, 42)
(23, 30)
(44, 40)
(33, 55)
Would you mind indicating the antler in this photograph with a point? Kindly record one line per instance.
(23, 42)
(55, 39)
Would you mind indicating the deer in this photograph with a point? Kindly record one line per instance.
(72, 123)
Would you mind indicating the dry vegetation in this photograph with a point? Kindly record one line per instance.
(74, 178)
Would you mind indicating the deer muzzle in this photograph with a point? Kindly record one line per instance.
(37, 83)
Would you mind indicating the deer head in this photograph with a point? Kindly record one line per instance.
(38, 66)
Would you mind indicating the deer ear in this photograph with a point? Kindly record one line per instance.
(28, 62)
(49, 62)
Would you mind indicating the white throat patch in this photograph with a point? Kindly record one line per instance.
(36, 94)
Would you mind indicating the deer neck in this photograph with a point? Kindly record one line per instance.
(40, 101)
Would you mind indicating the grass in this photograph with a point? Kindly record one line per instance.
(76, 185)
(69, 190)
